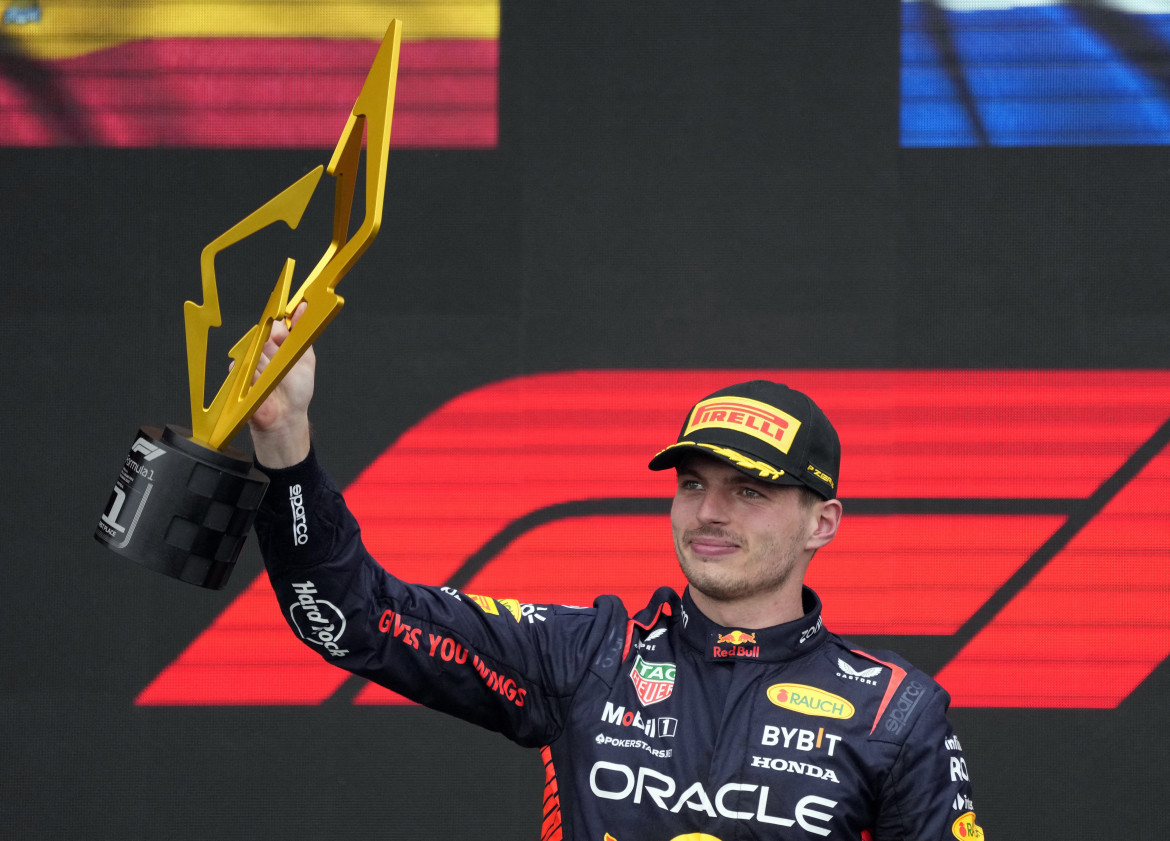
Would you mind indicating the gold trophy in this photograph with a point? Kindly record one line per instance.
(184, 500)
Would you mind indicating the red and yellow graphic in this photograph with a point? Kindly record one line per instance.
(248, 73)
(751, 417)
(996, 532)
(488, 605)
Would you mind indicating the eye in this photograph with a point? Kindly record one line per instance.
(689, 484)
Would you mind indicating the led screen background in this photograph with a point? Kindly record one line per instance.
(1047, 73)
(253, 74)
(671, 201)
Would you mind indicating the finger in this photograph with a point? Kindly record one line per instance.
(279, 332)
(261, 364)
(298, 312)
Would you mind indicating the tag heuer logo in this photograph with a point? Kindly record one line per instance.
(653, 681)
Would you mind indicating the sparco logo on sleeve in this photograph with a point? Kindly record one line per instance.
(300, 528)
(905, 704)
(316, 620)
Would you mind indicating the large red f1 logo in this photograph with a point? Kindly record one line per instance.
(1021, 517)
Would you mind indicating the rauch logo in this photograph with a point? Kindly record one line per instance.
(809, 700)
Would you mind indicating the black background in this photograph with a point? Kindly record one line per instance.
(675, 186)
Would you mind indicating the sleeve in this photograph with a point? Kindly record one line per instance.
(484, 660)
(927, 795)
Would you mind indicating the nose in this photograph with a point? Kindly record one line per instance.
(713, 508)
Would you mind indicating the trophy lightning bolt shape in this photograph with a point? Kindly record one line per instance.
(239, 396)
(183, 504)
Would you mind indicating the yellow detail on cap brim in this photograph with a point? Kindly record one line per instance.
(765, 470)
(823, 476)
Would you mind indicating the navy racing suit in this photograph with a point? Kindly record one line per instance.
(655, 726)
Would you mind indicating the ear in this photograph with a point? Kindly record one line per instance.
(828, 519)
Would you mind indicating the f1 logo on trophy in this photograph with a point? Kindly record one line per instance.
(184, 501)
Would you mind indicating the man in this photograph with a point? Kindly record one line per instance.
(727, 712)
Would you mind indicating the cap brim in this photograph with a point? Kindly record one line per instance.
(675, 453)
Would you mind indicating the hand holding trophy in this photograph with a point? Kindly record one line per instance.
(184, 501)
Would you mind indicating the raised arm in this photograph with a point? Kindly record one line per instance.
(280, 426)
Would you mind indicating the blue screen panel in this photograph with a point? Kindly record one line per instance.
(988, 73)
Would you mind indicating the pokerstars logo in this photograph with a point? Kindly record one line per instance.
(317, 621)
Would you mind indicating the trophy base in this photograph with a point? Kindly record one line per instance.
(181, 508)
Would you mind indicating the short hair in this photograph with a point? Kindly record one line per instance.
(808, 497)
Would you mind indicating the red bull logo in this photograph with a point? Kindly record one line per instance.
(742, 645)
(737, 638)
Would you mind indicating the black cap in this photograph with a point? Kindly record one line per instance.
(767, 430)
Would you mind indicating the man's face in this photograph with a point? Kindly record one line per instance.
(737, 537)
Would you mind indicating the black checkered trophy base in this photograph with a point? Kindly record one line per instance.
(181, 508)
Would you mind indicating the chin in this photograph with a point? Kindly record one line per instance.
(720, 588)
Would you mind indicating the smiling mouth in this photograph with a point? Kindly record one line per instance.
(709, 546)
